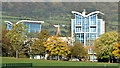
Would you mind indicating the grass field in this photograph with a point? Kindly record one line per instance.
(54, 63)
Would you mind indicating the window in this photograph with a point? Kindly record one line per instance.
(33, 27)
(90, 51)
(83, 25)
(92, 29)
(82, 37)
(99, 26)
(92, 36)
(78, 29)
(78, 19)
(93, 20)
(9, 26)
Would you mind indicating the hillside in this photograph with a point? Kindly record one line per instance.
(58, 13)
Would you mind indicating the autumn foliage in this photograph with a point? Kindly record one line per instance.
(116, 51)
(55, 46)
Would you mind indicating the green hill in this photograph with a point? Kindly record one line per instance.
(58, 13)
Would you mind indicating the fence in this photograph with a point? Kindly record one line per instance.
(11, 65)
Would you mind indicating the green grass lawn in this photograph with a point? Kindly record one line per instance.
(36, 62)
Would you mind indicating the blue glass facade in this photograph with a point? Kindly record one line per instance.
(86, 28)
(33, 27)
(99, 25)
(9, 26)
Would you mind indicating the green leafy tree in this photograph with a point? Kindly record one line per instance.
(118, 37)
(6, 46)
(27, 48)
(43, 36)
(37, 47)
(35, 43)
(103, 46)
(17, 37)
(78, 50)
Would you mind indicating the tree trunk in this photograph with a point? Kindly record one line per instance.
(44, 57)
(109, 60)
(31, 56)
(71, 57)
(58, 57)
(16, 53)
(93, 57)
(50, 57)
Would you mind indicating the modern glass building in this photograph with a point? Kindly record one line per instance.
(34, 26)
(85, 28)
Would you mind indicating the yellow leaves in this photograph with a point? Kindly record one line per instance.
(44, 42)
(52, 53)
(59, 54)
(66, 54)
(56, 46)
(69, 52)
(61, 51)
(114, 52)
(117, 44)
(56, 52)
(55, 49)
(62, 48)
(117, 50)
(48, 48)
(51, 42)
(66, 49)
(45, 45)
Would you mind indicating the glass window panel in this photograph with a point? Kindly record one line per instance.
(93, 29)
(93, 36)
(99, 25)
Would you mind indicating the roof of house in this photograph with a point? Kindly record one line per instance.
(84, 13)
(30, 21)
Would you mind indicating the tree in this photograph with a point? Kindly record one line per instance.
(26, 48)
(116, 51)
(17, 36)
(118, 37)
(37, 47)
(28, 44)
(56, 46)
(103, 46)
(78, 50)
(34, 43)
(6, 46)
(43, 35)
